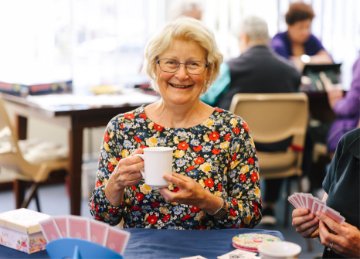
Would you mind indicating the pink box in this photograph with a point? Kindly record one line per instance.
(20, 229)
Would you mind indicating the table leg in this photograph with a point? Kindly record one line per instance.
(75, 156)
(21, 126)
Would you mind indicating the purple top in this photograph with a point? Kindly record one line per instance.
(281, 44)
(347, 110)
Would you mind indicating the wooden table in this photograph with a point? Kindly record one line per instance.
(75, 118)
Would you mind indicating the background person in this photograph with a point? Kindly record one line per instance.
(298, 44)
(256, 70)
(342, 193)
(215, 183)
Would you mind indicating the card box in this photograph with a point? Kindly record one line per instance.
(20, 230)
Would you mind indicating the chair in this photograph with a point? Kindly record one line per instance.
(32, 161)
(273, 118)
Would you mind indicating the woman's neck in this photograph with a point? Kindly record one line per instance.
(181, 116)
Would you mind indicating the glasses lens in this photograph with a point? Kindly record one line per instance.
(172, 65)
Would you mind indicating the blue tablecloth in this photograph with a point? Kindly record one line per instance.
(153, 243)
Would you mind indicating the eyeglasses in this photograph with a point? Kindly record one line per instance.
(172, 65)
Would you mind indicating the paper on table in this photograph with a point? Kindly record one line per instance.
(54, 101)
(237, 253)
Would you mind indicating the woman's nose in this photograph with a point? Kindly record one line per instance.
(182, 72)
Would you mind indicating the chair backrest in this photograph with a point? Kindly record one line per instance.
(273, 117)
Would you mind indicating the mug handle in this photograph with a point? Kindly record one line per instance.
(143, 158)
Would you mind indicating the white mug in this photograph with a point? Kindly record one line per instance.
(157, 162)
(279, 250)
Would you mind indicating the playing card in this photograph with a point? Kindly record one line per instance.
(293, 202)
(50, 230)
(78, 227)
(117, 239)
(98, 232)
(333, 214)
(61, 223)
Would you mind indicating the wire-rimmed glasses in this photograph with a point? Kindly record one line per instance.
(172, 65)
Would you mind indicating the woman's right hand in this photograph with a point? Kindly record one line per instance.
(305, 223)
(126, 173)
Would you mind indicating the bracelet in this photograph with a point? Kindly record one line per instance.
(221, 212)
(217, 211)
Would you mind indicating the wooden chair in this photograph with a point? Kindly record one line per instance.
(33, 163)
(273, 118)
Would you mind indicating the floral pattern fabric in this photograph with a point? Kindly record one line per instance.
(218, 153)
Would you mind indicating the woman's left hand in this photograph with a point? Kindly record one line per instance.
(343, 238)
(190, 192)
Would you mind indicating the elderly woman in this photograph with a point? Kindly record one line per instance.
(215, 183)
(297, 43)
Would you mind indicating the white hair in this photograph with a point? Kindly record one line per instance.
(255, 28)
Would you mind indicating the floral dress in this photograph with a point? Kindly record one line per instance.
(218, 153)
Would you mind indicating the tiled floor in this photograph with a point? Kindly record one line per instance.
(55, 201)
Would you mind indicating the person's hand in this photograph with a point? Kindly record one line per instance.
(305, 223)
(190, 192)
(126, 173)
(344, 239)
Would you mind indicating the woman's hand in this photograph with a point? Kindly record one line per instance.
(305, 223)
(343, 238)
(126, 173)
(190, 193)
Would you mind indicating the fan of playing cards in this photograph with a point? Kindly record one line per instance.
(86, 229)
(308, 201)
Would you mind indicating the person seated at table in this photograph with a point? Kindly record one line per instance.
(298, 44)
(346, 108)
(256, 70)
(215, 183)
(342, 193)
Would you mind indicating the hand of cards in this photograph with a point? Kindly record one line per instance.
(86, 229)
(313, 204)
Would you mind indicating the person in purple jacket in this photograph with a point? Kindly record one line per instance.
(346, 108)
(297, 43)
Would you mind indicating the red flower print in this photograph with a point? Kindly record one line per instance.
(250, 160)
(139, 196)
(133, 187)
(256, 208)
(234, 202)
(155, 204)
(129, 116)
(227, 137)
(214, 136)
(122, 126)
(143, 116)
(135, 208)
(236, 130)
(98, 183)
(217, 109)
(113, 211)
(189, 168)
(110, 167)
(209, 182)
(254, 176)
(186, 217)
(194, 209)
(245, 126)
(197, 148)
(232, 212)
(233, 158)
(152, 219)
(106, 137)
(219, 186)
(242, 178)
(199, 160)
(176, 189)
(215, 151)
(137, 139)
(183, 145)
(157, 127)
(166, 218)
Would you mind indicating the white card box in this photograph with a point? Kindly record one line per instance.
(20, 230)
